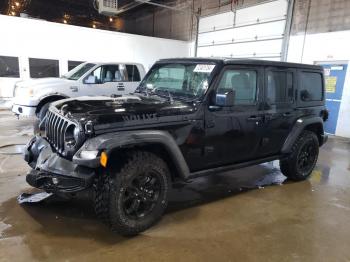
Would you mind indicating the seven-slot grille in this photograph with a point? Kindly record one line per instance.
(56, 126)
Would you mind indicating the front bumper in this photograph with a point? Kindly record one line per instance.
(25, 106)
(53, 173)
(23, 110)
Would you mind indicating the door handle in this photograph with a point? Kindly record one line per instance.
(254, 118)
(74, 88)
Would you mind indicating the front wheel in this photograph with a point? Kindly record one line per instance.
(303, 157)
(133, 197)
(41, 115)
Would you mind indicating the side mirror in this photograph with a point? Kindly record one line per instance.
(90, 80)
(226, 99)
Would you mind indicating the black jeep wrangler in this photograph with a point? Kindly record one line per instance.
(188, 118)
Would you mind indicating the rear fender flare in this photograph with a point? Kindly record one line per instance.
(300, 125)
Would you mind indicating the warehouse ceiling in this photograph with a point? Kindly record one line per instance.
(75, 12)
(175, 22)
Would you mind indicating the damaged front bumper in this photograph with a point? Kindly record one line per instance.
(53, 173)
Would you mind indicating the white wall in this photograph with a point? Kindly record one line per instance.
(334, 46)
(24, 38)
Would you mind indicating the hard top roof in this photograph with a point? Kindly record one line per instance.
(231, 61)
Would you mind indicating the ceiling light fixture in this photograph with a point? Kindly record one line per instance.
(111, 19)
(17, 4)
(65, 21)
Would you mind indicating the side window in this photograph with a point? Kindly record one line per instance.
(133, 73)
(279, 87)
(243, 82)
(311, 88)
(43, 68)
(97, 74)
(9, 66)
(112, 73)
(107, 73)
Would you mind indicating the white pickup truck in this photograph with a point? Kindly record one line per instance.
(33, 97)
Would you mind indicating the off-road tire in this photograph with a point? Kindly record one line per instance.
(43, 110)
(110, 188)
(289, 166)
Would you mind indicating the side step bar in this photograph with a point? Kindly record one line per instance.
(232, 167)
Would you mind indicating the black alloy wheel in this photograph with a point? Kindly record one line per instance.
(307, 157)
(141, 195)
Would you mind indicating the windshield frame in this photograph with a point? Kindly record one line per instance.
(69, 74)
(177, 95)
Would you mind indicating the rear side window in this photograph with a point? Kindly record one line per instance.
(311, 88)
(43, 68)
(9, 66)
(279, 87)
(133, 73)
(242, 82)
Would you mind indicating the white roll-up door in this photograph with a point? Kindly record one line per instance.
(252, 32)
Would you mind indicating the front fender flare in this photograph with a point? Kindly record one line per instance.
(125, 139)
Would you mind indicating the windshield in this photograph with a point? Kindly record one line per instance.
(78, 71)
(180, 79)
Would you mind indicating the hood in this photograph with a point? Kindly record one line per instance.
(124, 111)
(48, 81)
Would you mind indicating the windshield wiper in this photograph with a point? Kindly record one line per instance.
(168, 95)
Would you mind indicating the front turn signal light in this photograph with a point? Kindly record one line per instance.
(103, 159)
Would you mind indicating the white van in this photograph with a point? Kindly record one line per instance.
(32, 97)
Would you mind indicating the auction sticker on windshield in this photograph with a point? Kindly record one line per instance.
(203, 68)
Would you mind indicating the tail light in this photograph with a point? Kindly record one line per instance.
(324, 114)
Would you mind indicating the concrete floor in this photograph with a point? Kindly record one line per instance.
(233, 216)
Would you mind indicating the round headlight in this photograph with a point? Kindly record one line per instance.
(71, 136)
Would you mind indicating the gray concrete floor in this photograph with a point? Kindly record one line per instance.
(234, 216)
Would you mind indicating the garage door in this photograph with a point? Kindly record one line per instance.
(252, 32)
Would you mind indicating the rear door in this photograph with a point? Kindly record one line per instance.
(233, 134)
(280, 113)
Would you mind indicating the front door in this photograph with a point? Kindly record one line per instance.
(233, 134)
(109, 80)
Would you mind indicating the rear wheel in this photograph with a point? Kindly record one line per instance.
(303, 157)
(134, 197)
